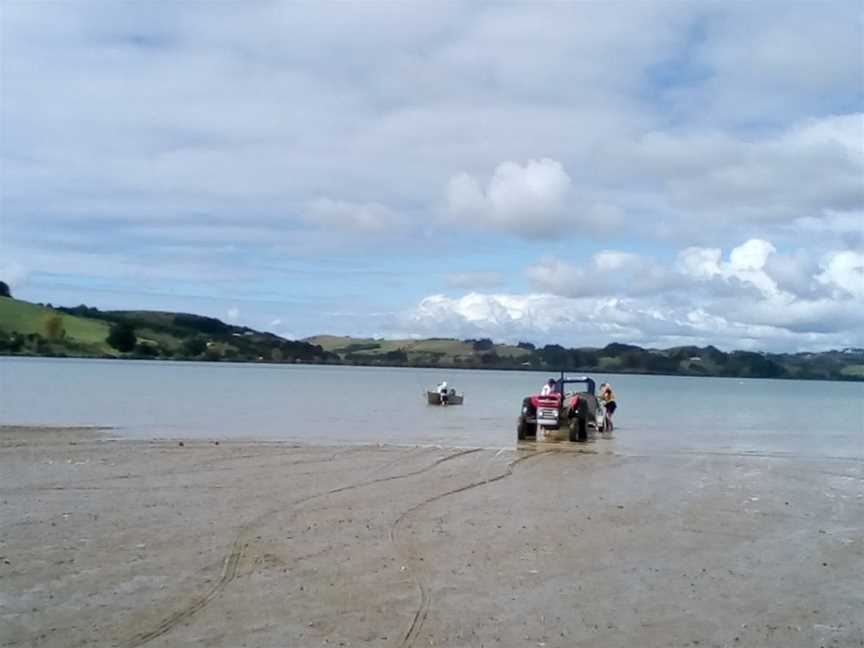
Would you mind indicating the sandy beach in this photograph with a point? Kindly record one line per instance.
(153, 543)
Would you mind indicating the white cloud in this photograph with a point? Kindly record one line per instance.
(754, 298)
(746, 263)
(700, 263)
(845, 270)
(529, 199)
(233, 314)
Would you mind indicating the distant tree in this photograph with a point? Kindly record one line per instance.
(209, 325)
(147, 350)
(16, 342)
(276, 354)
(122, 337)
(526, 345)
(4, 289)
(195, 346)
(35, 343)
(82, 310)
(490, 358)
(713, 354)
(616, 349)
(484, 344)
(214, 353)
(54, 328)
(756, 365)
(554, 356)
(399, 355)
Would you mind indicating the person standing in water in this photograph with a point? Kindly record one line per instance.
(607, 397)
(443, 392)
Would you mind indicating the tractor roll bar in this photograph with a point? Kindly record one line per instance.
(559, 386)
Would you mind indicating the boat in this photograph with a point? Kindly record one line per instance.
(434, 398)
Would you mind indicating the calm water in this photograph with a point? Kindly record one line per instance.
(375, 405)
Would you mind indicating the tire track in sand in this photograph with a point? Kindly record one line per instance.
(425, 595)
(231, 564)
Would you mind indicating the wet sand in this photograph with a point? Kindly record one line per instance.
(131, 543)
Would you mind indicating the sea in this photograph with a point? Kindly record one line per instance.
(375, 405)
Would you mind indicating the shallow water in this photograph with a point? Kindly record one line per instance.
(321, 404)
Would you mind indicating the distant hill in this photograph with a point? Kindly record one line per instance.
(34, 329)
(83, 331)
(613, 358)
(426, 351)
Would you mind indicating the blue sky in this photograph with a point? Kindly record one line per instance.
(654, 173)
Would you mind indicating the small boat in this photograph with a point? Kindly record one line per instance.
(434, 398)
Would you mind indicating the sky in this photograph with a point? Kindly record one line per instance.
(654, 173)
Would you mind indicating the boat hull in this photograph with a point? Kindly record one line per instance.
(434, 398)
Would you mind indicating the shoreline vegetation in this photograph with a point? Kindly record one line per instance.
(43, 330)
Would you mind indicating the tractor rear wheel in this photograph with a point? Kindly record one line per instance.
(578, 429)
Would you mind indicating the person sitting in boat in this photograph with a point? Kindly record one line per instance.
(444, 392)
(548, 388)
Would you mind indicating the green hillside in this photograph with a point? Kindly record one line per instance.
(436, 351)
(26, 319)
(33, 329)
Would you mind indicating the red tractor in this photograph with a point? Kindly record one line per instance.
(575, 410)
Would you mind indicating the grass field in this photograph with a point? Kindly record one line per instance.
(433, 346)
(26, 318)
(854, 371)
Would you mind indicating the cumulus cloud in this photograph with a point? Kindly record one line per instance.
(233, 314)
(752, 297)
(845, 271)
(746, 264)
(529, 199)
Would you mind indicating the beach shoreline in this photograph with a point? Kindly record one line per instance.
(115, 542)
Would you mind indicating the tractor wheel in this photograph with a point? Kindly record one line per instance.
(578, 429)
(583, 429)
(522, 430)
(573, 430)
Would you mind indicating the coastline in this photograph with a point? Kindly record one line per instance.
(538, 371)
(132, 543)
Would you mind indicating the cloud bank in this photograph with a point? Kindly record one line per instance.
(753, 297)
(309, 160)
